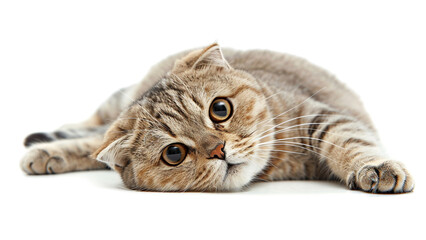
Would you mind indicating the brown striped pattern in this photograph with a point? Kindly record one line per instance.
(291, 120)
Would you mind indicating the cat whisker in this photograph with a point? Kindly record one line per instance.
(181, 81)
(292, 119)
(149, 114)
(301, 137)
(269, 162)
(296, 129)
(304, 101)
(289, 120)
(278, 150)
(295, 144)
(291, 127)
(274, 94)
(129, 97)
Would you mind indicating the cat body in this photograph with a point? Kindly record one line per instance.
(213, 120)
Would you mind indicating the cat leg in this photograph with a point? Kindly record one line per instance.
(64, 133)
(62, 156)
(352, 151)
(96, 124)
(69, 148)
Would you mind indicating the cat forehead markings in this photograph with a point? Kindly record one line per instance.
(172, 120)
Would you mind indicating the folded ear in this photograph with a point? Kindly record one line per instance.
(209, 56)
(112, 152)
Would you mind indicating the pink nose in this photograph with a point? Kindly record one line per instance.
(218, 152)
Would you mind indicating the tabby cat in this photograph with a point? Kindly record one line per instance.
(213, 120)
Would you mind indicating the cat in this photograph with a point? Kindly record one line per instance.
(217, 120)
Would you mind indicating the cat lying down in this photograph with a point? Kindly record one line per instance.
(213, 120)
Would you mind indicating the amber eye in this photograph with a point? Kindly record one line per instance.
(174, 154)
(220, 110)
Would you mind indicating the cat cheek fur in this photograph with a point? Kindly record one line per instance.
(248, 123)
(250, 160)
(196, 173)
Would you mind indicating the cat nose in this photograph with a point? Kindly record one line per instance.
(218, 152)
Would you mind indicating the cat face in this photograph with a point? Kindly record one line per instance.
(195, 130)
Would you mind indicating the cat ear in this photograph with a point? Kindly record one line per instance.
(209, 56)
(111, 152)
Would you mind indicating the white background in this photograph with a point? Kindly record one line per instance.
(60, 59)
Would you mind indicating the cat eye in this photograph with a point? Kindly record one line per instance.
(174, 154)
(220, 110)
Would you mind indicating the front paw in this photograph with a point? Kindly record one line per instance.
(381, 177)
(43, 161)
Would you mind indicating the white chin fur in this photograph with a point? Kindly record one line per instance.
(243, 174)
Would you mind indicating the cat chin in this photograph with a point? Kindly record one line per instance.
(238, 176)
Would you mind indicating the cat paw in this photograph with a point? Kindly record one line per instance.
(42, 161)
(381, 177)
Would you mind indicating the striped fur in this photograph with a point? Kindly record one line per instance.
(291, 120)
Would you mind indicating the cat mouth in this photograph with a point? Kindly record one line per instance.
(229, 168)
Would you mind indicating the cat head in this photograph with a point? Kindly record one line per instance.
(197, 129)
